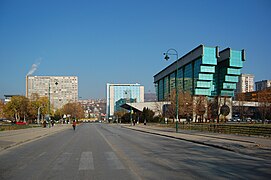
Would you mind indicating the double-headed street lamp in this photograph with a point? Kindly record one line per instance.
(130, 96)
(49, 118)
(167, 54)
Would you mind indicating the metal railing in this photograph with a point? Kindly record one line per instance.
(256, 130)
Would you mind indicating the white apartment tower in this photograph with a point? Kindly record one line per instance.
(63, 89)
(245, 84)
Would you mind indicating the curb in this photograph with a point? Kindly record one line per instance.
(209, 136)
(30, 140)
(179, 138)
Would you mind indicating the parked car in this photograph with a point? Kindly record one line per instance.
(236, 119)
(21, 123)
(248, 119)
(5, 120)
(267, 121)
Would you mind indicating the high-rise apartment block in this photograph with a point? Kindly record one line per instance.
(245, 83)
(261, 85)
(117, 94)
(60, 89)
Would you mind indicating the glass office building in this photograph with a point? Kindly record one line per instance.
(202, 71)
(118, 93)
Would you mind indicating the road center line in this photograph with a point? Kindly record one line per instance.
(113, 160)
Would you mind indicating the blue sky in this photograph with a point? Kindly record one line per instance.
(123, 41)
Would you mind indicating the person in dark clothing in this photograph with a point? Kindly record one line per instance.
(44, 124)
(74, 124)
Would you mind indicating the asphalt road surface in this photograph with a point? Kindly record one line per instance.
(101, 151)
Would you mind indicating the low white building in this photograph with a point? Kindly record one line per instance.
(116, 92)
(156, 107)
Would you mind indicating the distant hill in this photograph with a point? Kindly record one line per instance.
(150, 97)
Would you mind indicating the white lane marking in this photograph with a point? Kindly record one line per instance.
(113, 160)
(61, 161)
(86, 161)
(23, 166)
(41, 154)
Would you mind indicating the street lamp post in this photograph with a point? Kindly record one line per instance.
(176, 82)
(126, 92)
(39, 114)
(57, 94)
(49, 104)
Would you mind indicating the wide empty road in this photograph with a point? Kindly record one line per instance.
(101, 151)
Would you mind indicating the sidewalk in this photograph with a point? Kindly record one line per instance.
(254, 146)
(13, 138)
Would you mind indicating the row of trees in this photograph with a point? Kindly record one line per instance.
(22, 108)
(206, 109)
(203, 108)
(146, 115)
(218, 107)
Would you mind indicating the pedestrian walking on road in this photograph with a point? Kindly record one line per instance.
(74, 124)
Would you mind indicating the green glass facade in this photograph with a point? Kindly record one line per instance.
(203, 71)
(228, 70)
(123, 101)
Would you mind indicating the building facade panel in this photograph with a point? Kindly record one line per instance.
(180, 79)
(209, 56)
(166, 86)
(172, 81)
(116, 94)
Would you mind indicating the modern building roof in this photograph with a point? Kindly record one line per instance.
(226, 54)
(187, 58)
(112, 84)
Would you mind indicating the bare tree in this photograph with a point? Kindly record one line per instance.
(157, 109)
(264, 99)
(171, 109)
(241, 101)
(186, 105)
(200, 107)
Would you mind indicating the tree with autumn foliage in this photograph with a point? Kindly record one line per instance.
(200, 107)
(36, 104)
(74, 109)
(264, 100)
(17, 108)
(185, 105)
(1, 109)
